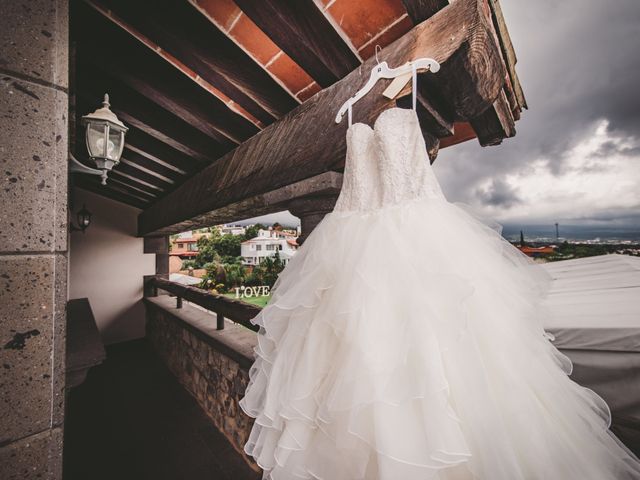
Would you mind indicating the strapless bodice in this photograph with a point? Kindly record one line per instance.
(386, 164)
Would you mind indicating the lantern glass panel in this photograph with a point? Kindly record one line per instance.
(95, 140)
(114, 148)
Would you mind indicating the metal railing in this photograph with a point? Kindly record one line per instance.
(224, 307)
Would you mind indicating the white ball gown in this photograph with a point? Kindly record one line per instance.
(403, 341)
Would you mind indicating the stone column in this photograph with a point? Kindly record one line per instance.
(311, 210)
(33, 236)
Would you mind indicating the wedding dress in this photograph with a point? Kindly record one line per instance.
(403, 341)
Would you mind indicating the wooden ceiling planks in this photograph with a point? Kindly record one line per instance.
(140, 112)
(497, 121)
(420, 10)
(112, 50)
(294, 148)
(137, 189)
(140, 142)
(303, 32)
(113, 191)
(178, 28)
(136, 182)
(151, 166)
(178, 127)
(135, 153)
(136, 171)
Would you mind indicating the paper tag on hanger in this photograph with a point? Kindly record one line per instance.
(396, 86)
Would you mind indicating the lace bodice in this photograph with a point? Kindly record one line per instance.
(387, 164)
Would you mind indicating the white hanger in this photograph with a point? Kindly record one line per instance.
(382, 70)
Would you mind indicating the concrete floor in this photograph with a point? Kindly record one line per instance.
(131, 419)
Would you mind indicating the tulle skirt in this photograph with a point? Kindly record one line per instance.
(407, 344)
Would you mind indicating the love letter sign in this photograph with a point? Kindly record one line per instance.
(248, 292)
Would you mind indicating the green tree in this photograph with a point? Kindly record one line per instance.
(207, 252)
(228, 245)
(252, 231)
(187, 264)
(235, 275)
(267, 272)
(215, 275)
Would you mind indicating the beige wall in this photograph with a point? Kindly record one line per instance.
(107, 264)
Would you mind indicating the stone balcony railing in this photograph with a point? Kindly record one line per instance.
(209, 354)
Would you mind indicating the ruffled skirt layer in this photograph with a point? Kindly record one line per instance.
(407, 344)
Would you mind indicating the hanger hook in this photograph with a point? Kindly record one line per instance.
(378, 47)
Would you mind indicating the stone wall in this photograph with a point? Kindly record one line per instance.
(210, 368)
(33, 236)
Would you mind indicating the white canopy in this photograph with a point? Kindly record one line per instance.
(184, 279)
(595, 303)
(595, 306)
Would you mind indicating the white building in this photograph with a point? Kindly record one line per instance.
(266, 244)
(231, 229)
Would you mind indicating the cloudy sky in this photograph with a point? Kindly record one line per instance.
(576, 156)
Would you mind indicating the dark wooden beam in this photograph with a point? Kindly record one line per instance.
(302, 31)
(307, 142)
(433, 112)
(135, 172)
(139, 112)
(178, 28)
(508, 52)
(145, 144)
(138, 170)
(327, 184)
(139, 143)
(149, 166)
(128, 184)
(494, 124)
(113, 192)
(153, 167)
(136, 182)
(113, 50)
(420, 10)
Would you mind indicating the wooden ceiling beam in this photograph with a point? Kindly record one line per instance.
(197, 108)
(136, 110)
(91, 183)
(113, 50)
(143, 143)
(135, 171)
(508, 52)
(303, 32)
(494, 124)
(155, 190)
(153, 167)
(179, 29)
(146, 171)
(307, 142)
(145, 163)
(130, 185)
(420, 10)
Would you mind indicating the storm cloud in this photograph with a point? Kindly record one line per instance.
(579, 65)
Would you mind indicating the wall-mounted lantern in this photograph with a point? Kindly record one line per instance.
(105, 141)
(83, 218)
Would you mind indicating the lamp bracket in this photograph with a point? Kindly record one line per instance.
(76, 166)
